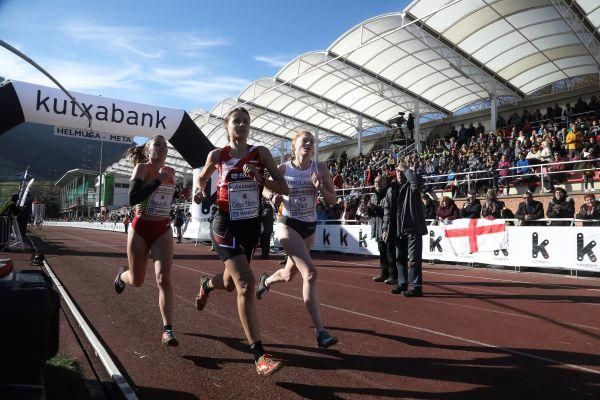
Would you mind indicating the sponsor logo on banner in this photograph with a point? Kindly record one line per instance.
(326, 241)
(343, 238)
(547, 247)
(362, 239)
(539, 247)
(91, 135)
(51, 106)
(585, 250)
(434, 243)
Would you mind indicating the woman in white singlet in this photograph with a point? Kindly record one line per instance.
(297, 225)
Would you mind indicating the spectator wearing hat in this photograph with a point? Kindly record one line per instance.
(403, 204)
(561, 206)
(530, 211)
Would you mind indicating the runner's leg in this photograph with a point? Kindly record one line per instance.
(241, 274)
(162, 251)
(137, 257)
(297, 250)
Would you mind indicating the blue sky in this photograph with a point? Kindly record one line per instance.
(178, 54)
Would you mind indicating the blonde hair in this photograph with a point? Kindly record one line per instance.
(139, 154)
(295, 137)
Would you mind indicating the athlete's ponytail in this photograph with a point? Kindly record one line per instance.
(136, 154)
(139, 154)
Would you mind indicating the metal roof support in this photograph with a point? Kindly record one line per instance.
(463, 62)
(322, 104)
(359, 130)
(577, 23)
(269, 113)
(316, 145)
(417, 117)
(493, 108)
(282, 152)
(387, 82)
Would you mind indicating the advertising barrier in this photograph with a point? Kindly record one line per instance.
(560, 247)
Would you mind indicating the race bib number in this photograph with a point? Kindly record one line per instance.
(159, 202)
(302, 202)
(243, 200)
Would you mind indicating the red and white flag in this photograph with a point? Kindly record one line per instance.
(473, 235)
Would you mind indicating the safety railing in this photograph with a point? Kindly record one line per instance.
(495, 173)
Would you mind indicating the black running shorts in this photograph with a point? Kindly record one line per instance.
(304, 229)
(232, 238)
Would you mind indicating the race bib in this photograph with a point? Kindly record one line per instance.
(243, 200)
(302, 201)
(159, 202)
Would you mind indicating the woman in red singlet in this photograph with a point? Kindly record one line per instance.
(151, 192)
(235, 229)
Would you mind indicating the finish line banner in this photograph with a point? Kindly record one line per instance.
(561, 247)
(91, 135)
(112, 119)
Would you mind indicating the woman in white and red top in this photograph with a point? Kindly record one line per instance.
(296, 228)
(151, 192)
(235, 229)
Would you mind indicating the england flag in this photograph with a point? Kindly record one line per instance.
(472, 235)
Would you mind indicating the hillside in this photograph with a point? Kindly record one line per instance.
(50, 156)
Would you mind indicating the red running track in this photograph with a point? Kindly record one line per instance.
(478, 333)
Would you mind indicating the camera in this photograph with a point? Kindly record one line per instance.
(399, 120)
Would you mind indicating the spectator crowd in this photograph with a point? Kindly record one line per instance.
(470, 162)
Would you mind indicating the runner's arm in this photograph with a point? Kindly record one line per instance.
(211, 165)
(138, 193)
(276, 184)
(326, 188)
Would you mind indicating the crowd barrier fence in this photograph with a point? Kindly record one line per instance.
(556, 247)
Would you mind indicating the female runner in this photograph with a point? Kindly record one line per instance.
(151, 192)
(296, 228)
(235, 229)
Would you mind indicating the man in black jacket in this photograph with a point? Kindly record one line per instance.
(387, 249)
(404, 206)
(529, 211)
(472, 207)
(429, 206)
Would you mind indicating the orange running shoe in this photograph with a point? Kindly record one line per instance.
(266, 366)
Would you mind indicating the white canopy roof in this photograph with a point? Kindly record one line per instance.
(527, 44)
(437, 55)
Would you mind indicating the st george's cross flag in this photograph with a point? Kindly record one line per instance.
(474, 235)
